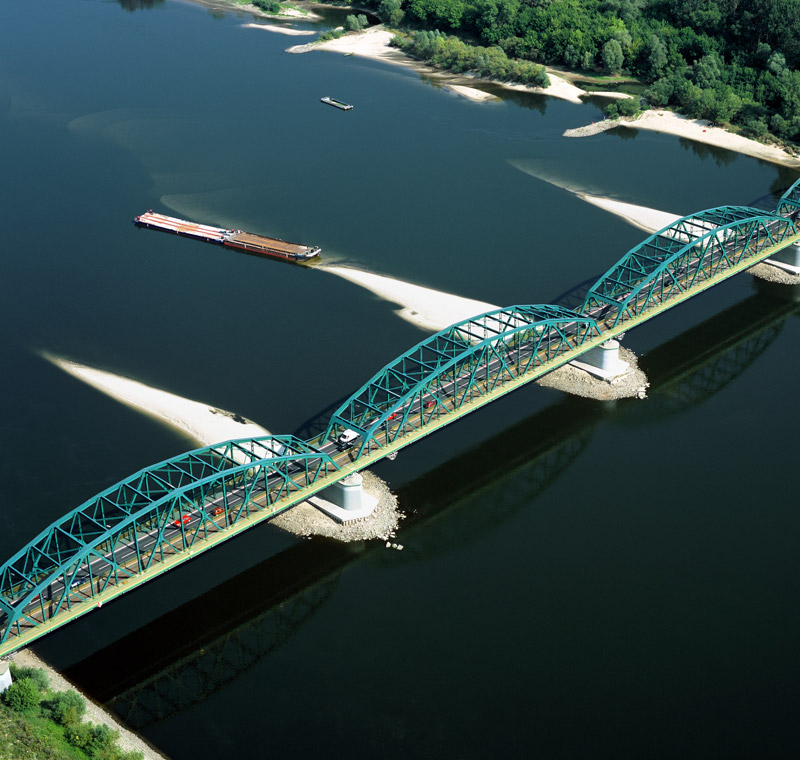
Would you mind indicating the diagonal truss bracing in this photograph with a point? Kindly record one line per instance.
(789, 204)
(441, 374)
(149, 517)
(677, 258)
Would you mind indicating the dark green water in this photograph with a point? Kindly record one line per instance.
(576, 581)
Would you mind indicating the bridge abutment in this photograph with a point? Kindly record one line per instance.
(346, 500)
(5, 676)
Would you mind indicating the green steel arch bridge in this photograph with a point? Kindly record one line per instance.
(169, 512)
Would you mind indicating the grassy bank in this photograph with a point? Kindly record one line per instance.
(39, 723)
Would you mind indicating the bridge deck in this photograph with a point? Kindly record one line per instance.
(153, 535)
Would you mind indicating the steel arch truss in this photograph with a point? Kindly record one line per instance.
(441, 374)
(148, 518)
(789, 204)
(681, 256)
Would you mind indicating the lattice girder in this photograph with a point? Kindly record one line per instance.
(673, 260)
(789, 203)
(75, 558)
(447, 370)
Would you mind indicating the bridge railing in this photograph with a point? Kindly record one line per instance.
(444, 373)
(150, 518)
(678, 258)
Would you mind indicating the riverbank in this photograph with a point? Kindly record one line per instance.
(698, 130)
(297, 13)
(128, 741)
(374, 43)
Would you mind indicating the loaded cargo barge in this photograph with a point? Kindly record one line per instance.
(243, 241)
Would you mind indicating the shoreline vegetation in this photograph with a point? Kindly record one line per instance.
(375, 43)
(42, 715)
(726, 64)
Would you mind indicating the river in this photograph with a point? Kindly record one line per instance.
(577, 580)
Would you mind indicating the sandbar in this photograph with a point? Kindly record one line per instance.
(426, 308)
(203, 423)
(374, 42)
(647, 219)
(287, 30)
(479, 96)
(698, 130)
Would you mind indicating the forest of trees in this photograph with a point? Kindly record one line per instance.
(730, 61)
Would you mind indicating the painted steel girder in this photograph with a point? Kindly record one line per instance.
(631, 289)
(94, 560)
(641, 261)
(458, 355)
(790, 200)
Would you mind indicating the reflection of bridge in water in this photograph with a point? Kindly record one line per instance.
(167, 513)
(513, 468)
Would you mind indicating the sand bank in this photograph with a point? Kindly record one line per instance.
(232, 5)
(698, 130)
(287, 30)
(647, 219)
(203, 423)
(424, 307)
(374, 43)
(479, 96)
(609, 94)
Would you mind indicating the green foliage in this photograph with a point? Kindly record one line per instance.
(629, 107)
(391, 12)
(37, 675)
(353, 23)
(331, 34)
(728, 61)
(66, 707)
(22, 696)
(39, 724)
(612, 56)
(455, 55)
(268, 6)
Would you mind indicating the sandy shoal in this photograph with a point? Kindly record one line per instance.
(374, 43)
(479, 96)
(647, 219)
(203, 423)
(230, 5)
(424, 307)
(288, 31)
(698, 130)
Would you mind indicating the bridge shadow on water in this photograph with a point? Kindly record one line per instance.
(236, 624)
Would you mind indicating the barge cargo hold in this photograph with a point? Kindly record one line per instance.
(243, 241)
(337, 103)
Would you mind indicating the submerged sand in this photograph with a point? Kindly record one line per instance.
(287, 30)
(698, 130)
(203, 423)
(424, 307)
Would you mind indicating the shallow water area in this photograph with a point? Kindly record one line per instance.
(577, 579)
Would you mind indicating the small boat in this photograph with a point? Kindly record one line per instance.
(337, 103)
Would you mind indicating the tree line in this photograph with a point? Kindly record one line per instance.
(731, 61)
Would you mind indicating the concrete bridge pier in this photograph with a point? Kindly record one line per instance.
(603, 361)
(346, 500)
(787, 259)
(605, 373)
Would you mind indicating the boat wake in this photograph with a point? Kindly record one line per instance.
(203, 423)
(426, 308)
